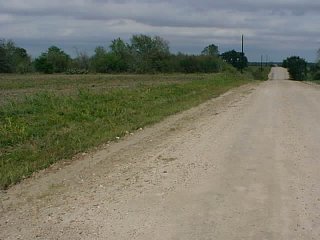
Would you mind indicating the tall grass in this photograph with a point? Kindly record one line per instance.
(257, 73)
(46, 127)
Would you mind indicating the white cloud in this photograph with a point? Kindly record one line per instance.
(285, 25)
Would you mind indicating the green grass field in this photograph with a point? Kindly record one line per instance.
(47, 118)
(16, 87)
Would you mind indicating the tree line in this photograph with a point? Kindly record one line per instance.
(143, 54)
(300, 69)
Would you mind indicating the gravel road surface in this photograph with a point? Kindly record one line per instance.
(245, 165)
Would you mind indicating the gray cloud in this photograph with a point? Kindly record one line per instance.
(275, 27)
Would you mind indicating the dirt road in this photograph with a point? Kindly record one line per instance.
(242, 166)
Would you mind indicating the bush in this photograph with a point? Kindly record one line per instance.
(314, 71)
(200, 63)
(316, 75)
(73, 71)
(297, 67)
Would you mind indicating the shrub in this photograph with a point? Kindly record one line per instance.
(297, 67)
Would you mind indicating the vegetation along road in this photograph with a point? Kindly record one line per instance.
(242, 166)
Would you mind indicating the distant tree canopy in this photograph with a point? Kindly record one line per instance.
(53, 61)
(82, 61)
(211, 50)
(141, 54)
(150, 54)
(13, 59)
(121, 55)
(297, 67)
(145, 54)
(236, 59)
(99, 61)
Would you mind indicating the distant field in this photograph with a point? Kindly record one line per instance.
(16, 87)
(46, 118)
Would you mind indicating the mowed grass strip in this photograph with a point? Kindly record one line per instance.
(45, 127)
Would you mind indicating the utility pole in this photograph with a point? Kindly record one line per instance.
(242, 46)
(242, 54)
(261, 63)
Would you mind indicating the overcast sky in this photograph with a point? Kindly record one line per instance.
(277, 28)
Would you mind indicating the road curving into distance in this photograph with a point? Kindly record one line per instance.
(243, 166)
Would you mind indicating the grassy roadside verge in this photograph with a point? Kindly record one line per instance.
(45, 127)
(257, 74)
(313, 81)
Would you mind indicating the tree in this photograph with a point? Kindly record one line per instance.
(120, 48)
(41, 64)
(236, 59)
(58, 59)
(21, 60)
(13, 59)
(82, 61)
(150, 54)
(121, 55)
(297, 67)
(4, 62)
(53, 61)
(100, 60)
(211, 50)
(115, 61)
